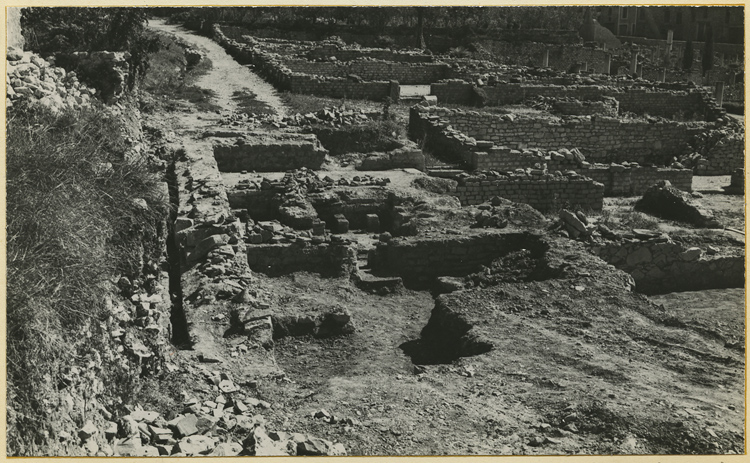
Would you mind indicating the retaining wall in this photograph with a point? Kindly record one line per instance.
(542, 192)
(661, 266)
(398, 159)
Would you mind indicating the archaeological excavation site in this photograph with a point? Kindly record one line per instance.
(275, 231)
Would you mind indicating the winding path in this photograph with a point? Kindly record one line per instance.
(226, 76)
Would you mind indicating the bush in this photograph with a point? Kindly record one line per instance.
(734, 107)
(75, 218)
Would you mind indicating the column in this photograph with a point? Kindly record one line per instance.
(719, 93)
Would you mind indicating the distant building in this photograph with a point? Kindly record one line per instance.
(687, 22)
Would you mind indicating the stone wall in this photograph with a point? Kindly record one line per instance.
(426, 257)
(272, 68)
(351, 54)
(328, 259)
(541, 191)
(659, 265)
(372, 70)
(634, 181)
(270, 154)
(724, 157)
(602, 139)
(398, 159)
(695, 103)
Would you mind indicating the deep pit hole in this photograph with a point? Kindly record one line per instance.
(446, 338)
(178, 320)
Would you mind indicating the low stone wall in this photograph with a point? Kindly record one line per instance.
(659, 265)
(351, 54)
(270, 154)
(682, 104)
(632, 181)
(372, 70)
(329, 259)
(602, 139)
(272, 68)
(424, 258)
(398, 159)
(724, 157)
(543, 192)
(572, 107)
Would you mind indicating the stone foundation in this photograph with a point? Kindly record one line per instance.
(328, 259)
(660, 265)
(270, 153)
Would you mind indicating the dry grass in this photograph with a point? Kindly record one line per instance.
(72, 223)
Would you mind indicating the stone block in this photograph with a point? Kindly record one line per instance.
(341, 224)
(373, 223)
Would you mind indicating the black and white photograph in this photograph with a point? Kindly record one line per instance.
(375, 231)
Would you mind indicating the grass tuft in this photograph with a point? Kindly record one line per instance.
(74, 220)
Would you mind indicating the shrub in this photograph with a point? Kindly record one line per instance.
(75, 218)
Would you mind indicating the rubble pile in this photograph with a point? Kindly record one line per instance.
(667, 202)
(229, 424)
(31, 78)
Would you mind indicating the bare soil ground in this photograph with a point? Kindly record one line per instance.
(578, 366)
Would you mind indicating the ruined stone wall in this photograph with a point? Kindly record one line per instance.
(602, 139)
(542, 192)
(397, 159)
(633, 181)
(329, 259)
(724, 157)
(670, 104)
(270, 155)
(272, 68)
(372, 70)
(429, 257)
(351, 54)
(659, 265)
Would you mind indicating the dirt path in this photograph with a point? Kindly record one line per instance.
(227, 77)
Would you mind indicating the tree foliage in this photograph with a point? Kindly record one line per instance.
(50, 30)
